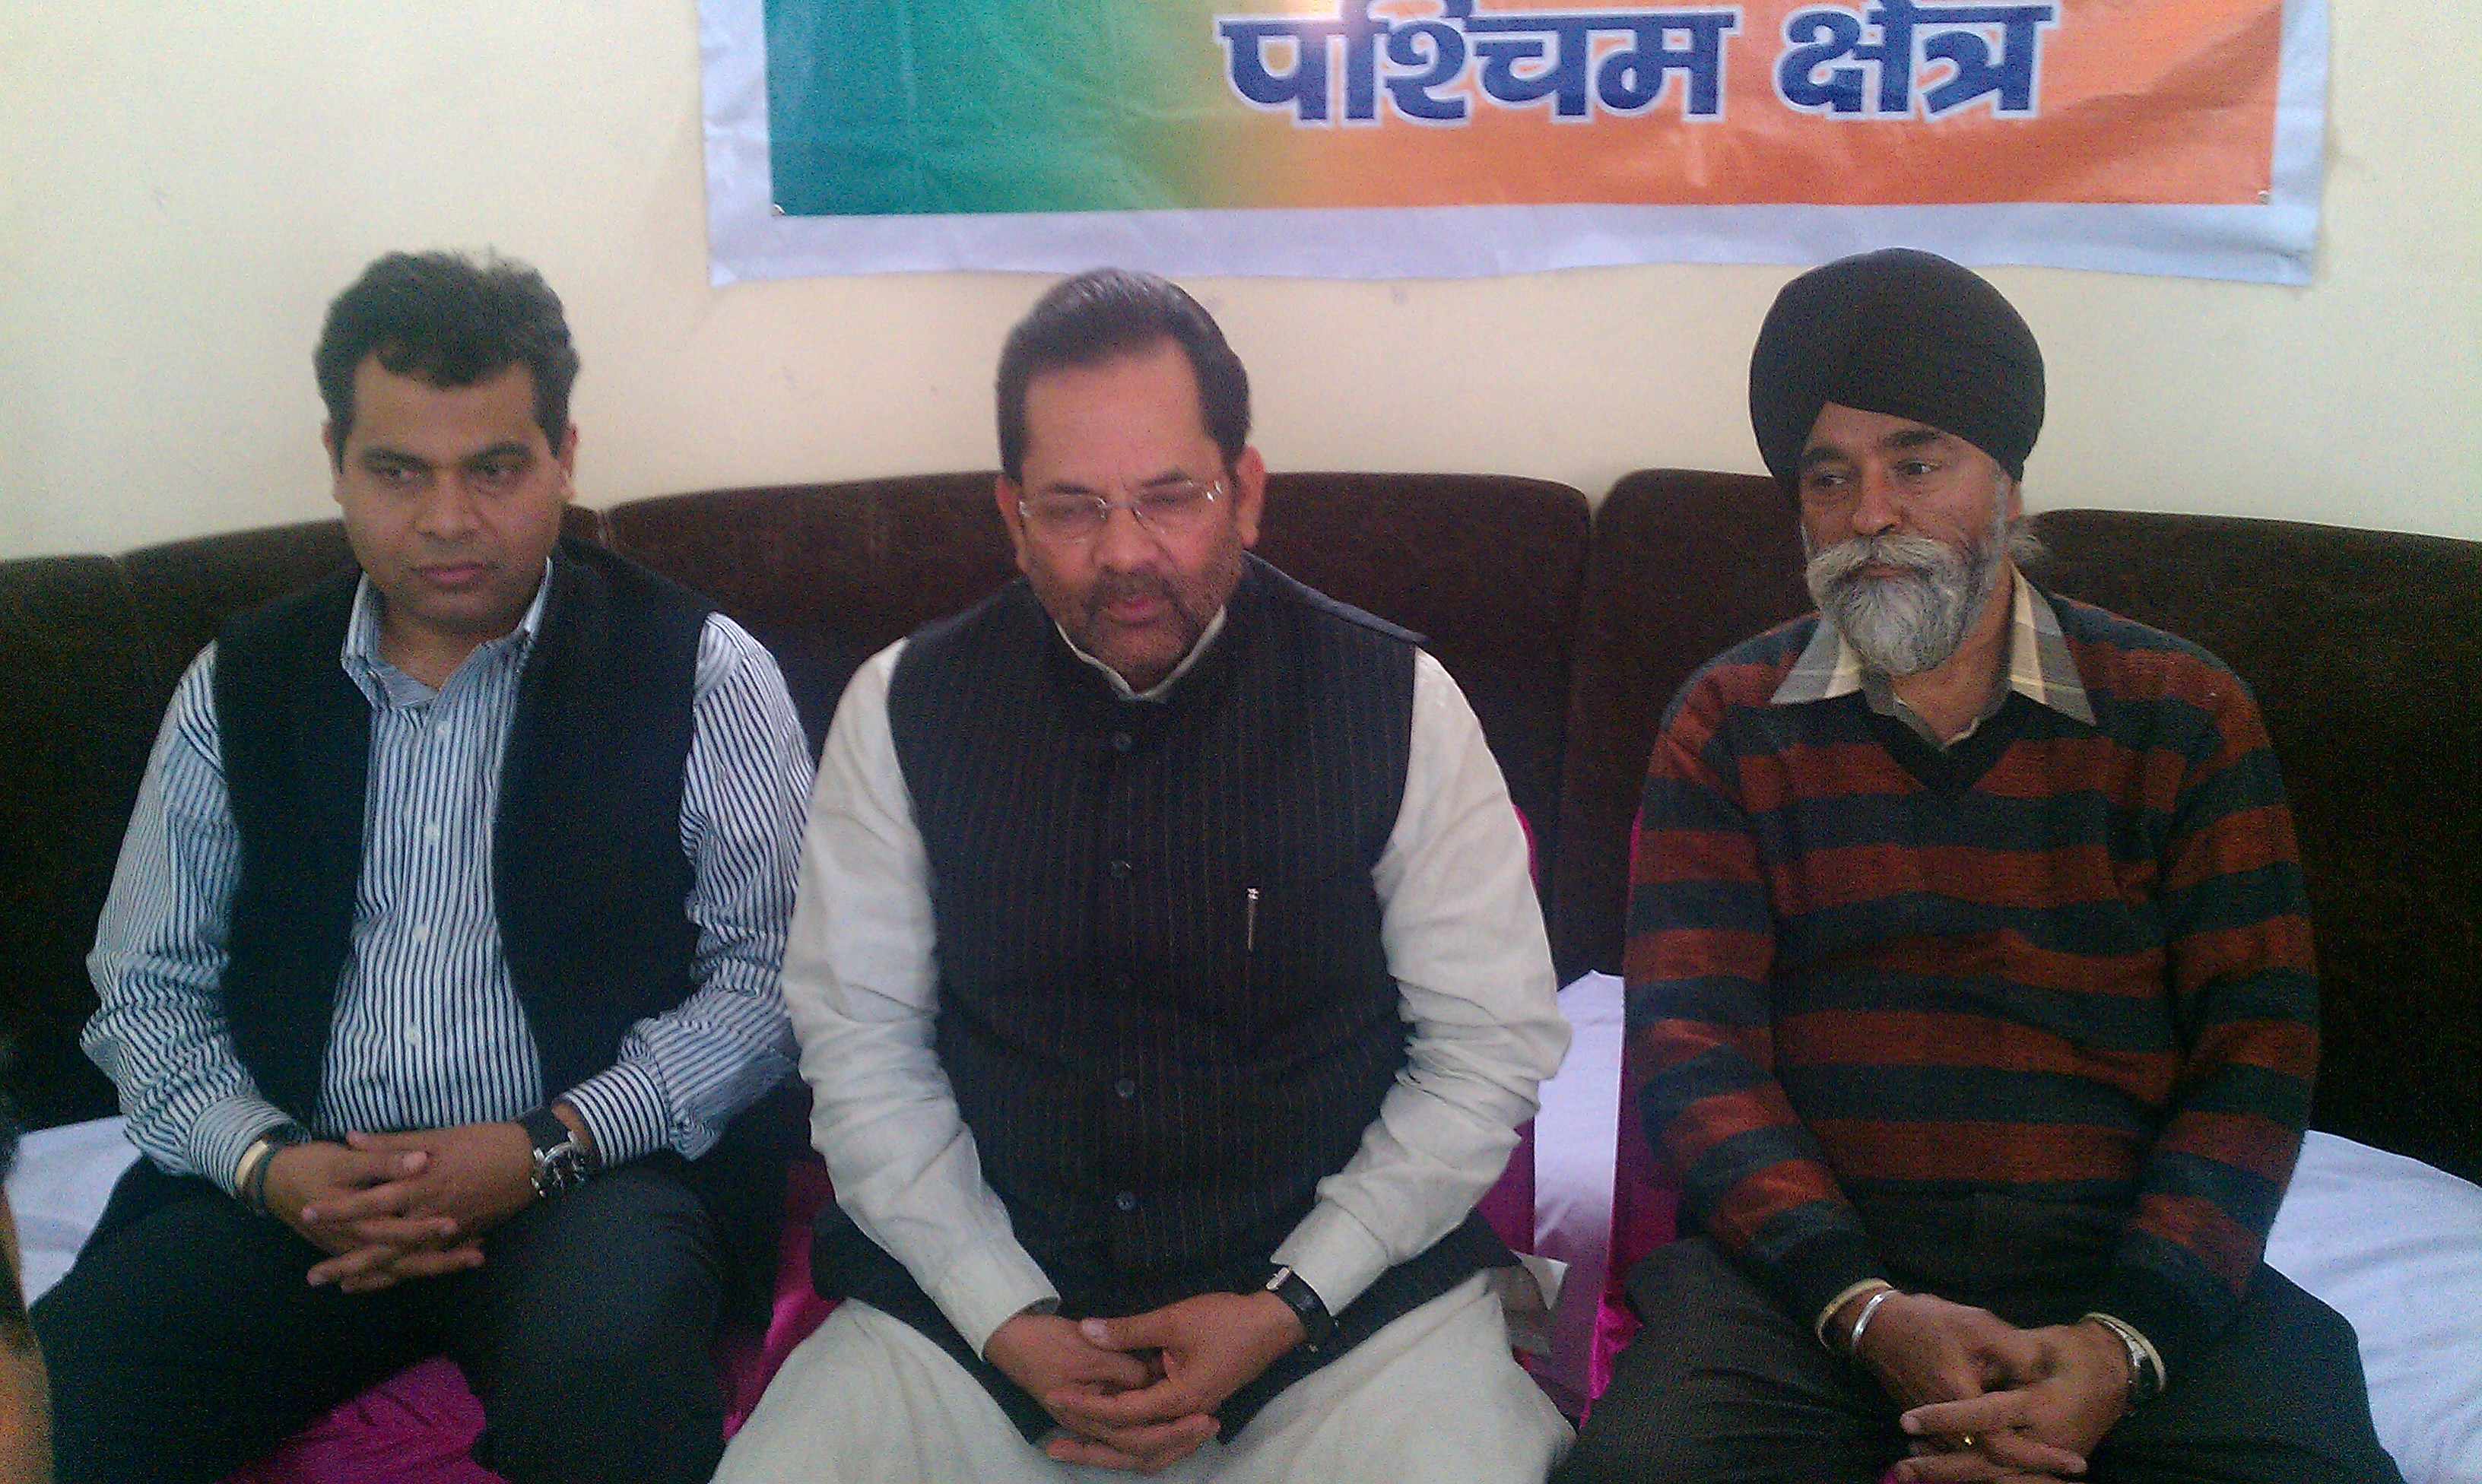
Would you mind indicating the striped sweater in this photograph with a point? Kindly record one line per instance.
(2057, 962)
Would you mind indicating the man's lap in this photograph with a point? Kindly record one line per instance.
(1723, 1385)
(191, 1330)
(2280, 1395)
(1433, 1396)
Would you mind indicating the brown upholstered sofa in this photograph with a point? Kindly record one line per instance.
(1569, 634)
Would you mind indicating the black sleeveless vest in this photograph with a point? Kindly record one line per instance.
(588, 877)
(1164, 1005)
(589, 880)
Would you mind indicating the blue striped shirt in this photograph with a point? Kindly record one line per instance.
(428, 1029)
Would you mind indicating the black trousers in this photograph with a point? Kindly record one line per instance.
(1724, 1387)
(186, 1342)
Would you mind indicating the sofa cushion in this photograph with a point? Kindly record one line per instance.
(1490, 570)
(76, 718)
(826, 575)
(1684, 564)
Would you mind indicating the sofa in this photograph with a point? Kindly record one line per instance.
(1569, 626)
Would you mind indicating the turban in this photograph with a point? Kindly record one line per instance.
(1905, 334)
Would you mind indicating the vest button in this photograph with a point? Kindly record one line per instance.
(1123, 983)
(1121, 870)
(1126, 1201)
(1122, 741)
(1126, 1087)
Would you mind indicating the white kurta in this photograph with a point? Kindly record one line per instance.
(1465, 941)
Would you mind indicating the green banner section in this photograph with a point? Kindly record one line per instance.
(893, 107)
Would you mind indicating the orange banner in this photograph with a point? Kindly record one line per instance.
(1879, 103)
(1419, 138)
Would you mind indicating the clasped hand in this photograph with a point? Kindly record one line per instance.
(1140, 1392)
(390, 1207)
(1988, 1401)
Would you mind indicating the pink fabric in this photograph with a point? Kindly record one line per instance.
(413, 1428)
(1509, 1205)
(1646, 1201)
(417, 1426)
(798, 1310)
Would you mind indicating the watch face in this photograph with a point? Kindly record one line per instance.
(561, 1167)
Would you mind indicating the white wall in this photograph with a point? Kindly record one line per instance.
(183, 187)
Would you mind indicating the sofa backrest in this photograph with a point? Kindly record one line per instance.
(824, 573)
(1683, 565)
(2364, 649)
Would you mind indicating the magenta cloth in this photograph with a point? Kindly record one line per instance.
(1509, 1205)
(417, 1426)
(413, 1428)
(798, 1310)
(1646, 1201)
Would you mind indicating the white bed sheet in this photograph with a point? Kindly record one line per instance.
(63, 1177)
(2395, 1246)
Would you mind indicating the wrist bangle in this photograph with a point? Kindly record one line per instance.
(2144, 1368)
(1836, 1306)
(1853, 1342)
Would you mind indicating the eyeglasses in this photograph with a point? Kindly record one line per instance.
(1170, 510)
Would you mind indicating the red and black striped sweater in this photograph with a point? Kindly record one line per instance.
(2057, 961)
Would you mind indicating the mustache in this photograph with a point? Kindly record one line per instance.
(1114, 586)
(1917, 554)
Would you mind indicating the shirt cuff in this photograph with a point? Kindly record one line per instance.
(982, 1290)
(2171, 1321)
(1334, 1254)
(623, 1110)
(1810, 1277)
(1850, 1292)
(223, 1134)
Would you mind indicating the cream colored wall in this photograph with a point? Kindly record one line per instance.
(184, 186)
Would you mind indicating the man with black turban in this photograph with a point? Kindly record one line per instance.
(1970, 970)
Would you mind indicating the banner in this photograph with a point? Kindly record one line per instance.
(1403, 138)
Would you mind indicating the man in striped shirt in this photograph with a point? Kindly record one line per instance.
(1970, 966)
(441, 965)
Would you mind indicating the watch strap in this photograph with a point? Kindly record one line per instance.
(250, 1181)
(1317, 1324)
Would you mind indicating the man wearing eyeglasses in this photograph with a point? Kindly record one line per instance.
(1170, 982)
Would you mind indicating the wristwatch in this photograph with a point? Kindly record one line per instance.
(561, 1162)
(1317, 1324)
(249, 1182)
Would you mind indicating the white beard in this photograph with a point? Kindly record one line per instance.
(1905, 624)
